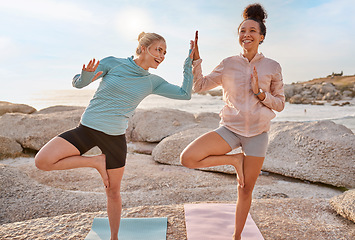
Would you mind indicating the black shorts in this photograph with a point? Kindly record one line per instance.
(85, 138)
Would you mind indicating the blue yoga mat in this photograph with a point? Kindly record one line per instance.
(130, 229)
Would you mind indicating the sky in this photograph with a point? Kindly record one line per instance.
(44, 43)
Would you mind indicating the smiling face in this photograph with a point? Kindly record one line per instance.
(154, 54)
(249, 35)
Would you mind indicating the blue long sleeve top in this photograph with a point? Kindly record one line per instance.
(123, 86)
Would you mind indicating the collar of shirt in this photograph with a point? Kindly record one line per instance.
(136, 68)
(257, 57)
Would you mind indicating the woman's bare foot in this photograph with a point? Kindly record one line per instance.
(101, 168)
(238, 165)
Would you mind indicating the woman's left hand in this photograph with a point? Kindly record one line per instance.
(255, 85)
(92, 68)
(255, 82)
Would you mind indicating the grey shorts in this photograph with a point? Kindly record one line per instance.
(255, 146)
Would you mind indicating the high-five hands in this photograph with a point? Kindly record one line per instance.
(92, 68)
(194, 48)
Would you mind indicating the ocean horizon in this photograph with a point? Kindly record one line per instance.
(199, 103)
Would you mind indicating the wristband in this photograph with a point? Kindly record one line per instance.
(260, 91)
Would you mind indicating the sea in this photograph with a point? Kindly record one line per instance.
(344, 115)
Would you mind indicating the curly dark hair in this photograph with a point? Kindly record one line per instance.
(257, 13)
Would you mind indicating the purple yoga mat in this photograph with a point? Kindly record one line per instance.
(216, 221)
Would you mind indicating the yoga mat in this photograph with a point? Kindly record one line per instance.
(130, 229)
(216, 221)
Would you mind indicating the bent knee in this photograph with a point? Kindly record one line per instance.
(187, 160)
(42, 163)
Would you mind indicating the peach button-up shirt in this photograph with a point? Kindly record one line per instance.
(244, 113)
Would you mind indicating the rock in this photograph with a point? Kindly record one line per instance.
(292, 218)
(216, 92)
(316, 87)
(347, 93)
(307, 93)
(59, 108)
(153, 125)
(56, 205)
(345, 103)
(7, 107)
(344, 204)
(34, 130)
(306, 100)
(289, 91)
(319, 151)
(9, 147)
(18, 190)
(329, 96)
(327, 88)
(207, 120)
(296, 99)
(141, 147)
(169, 149)
(275, 218)
(317, 103)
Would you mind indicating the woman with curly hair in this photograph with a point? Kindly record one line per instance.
(252, 89)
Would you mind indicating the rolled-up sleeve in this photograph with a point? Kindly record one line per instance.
(205, 83)
(275, 99)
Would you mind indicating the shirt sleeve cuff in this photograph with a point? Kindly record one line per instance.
(196, 62)
(266, 99)
(87, 75)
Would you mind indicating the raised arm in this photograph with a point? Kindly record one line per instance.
(204, 83)
(88, 74)
(166, 89)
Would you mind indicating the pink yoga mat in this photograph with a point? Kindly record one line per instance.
(216, 221)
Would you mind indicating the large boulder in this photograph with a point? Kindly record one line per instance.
(7, 107)
(34, 130)
(319, 151)
(23, 198)
(9, 147)
(315, 151)
(169, 149)
(344, 204)
(207, 120)
(153, 125)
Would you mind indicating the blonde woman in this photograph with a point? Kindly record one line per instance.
(252, 88)
(125, 83)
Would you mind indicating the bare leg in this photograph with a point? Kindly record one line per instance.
(59, 154)
(252, 168)
(114, 201)
(210, 150)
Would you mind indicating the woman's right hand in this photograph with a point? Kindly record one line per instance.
(195, 54)
(92, 68)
